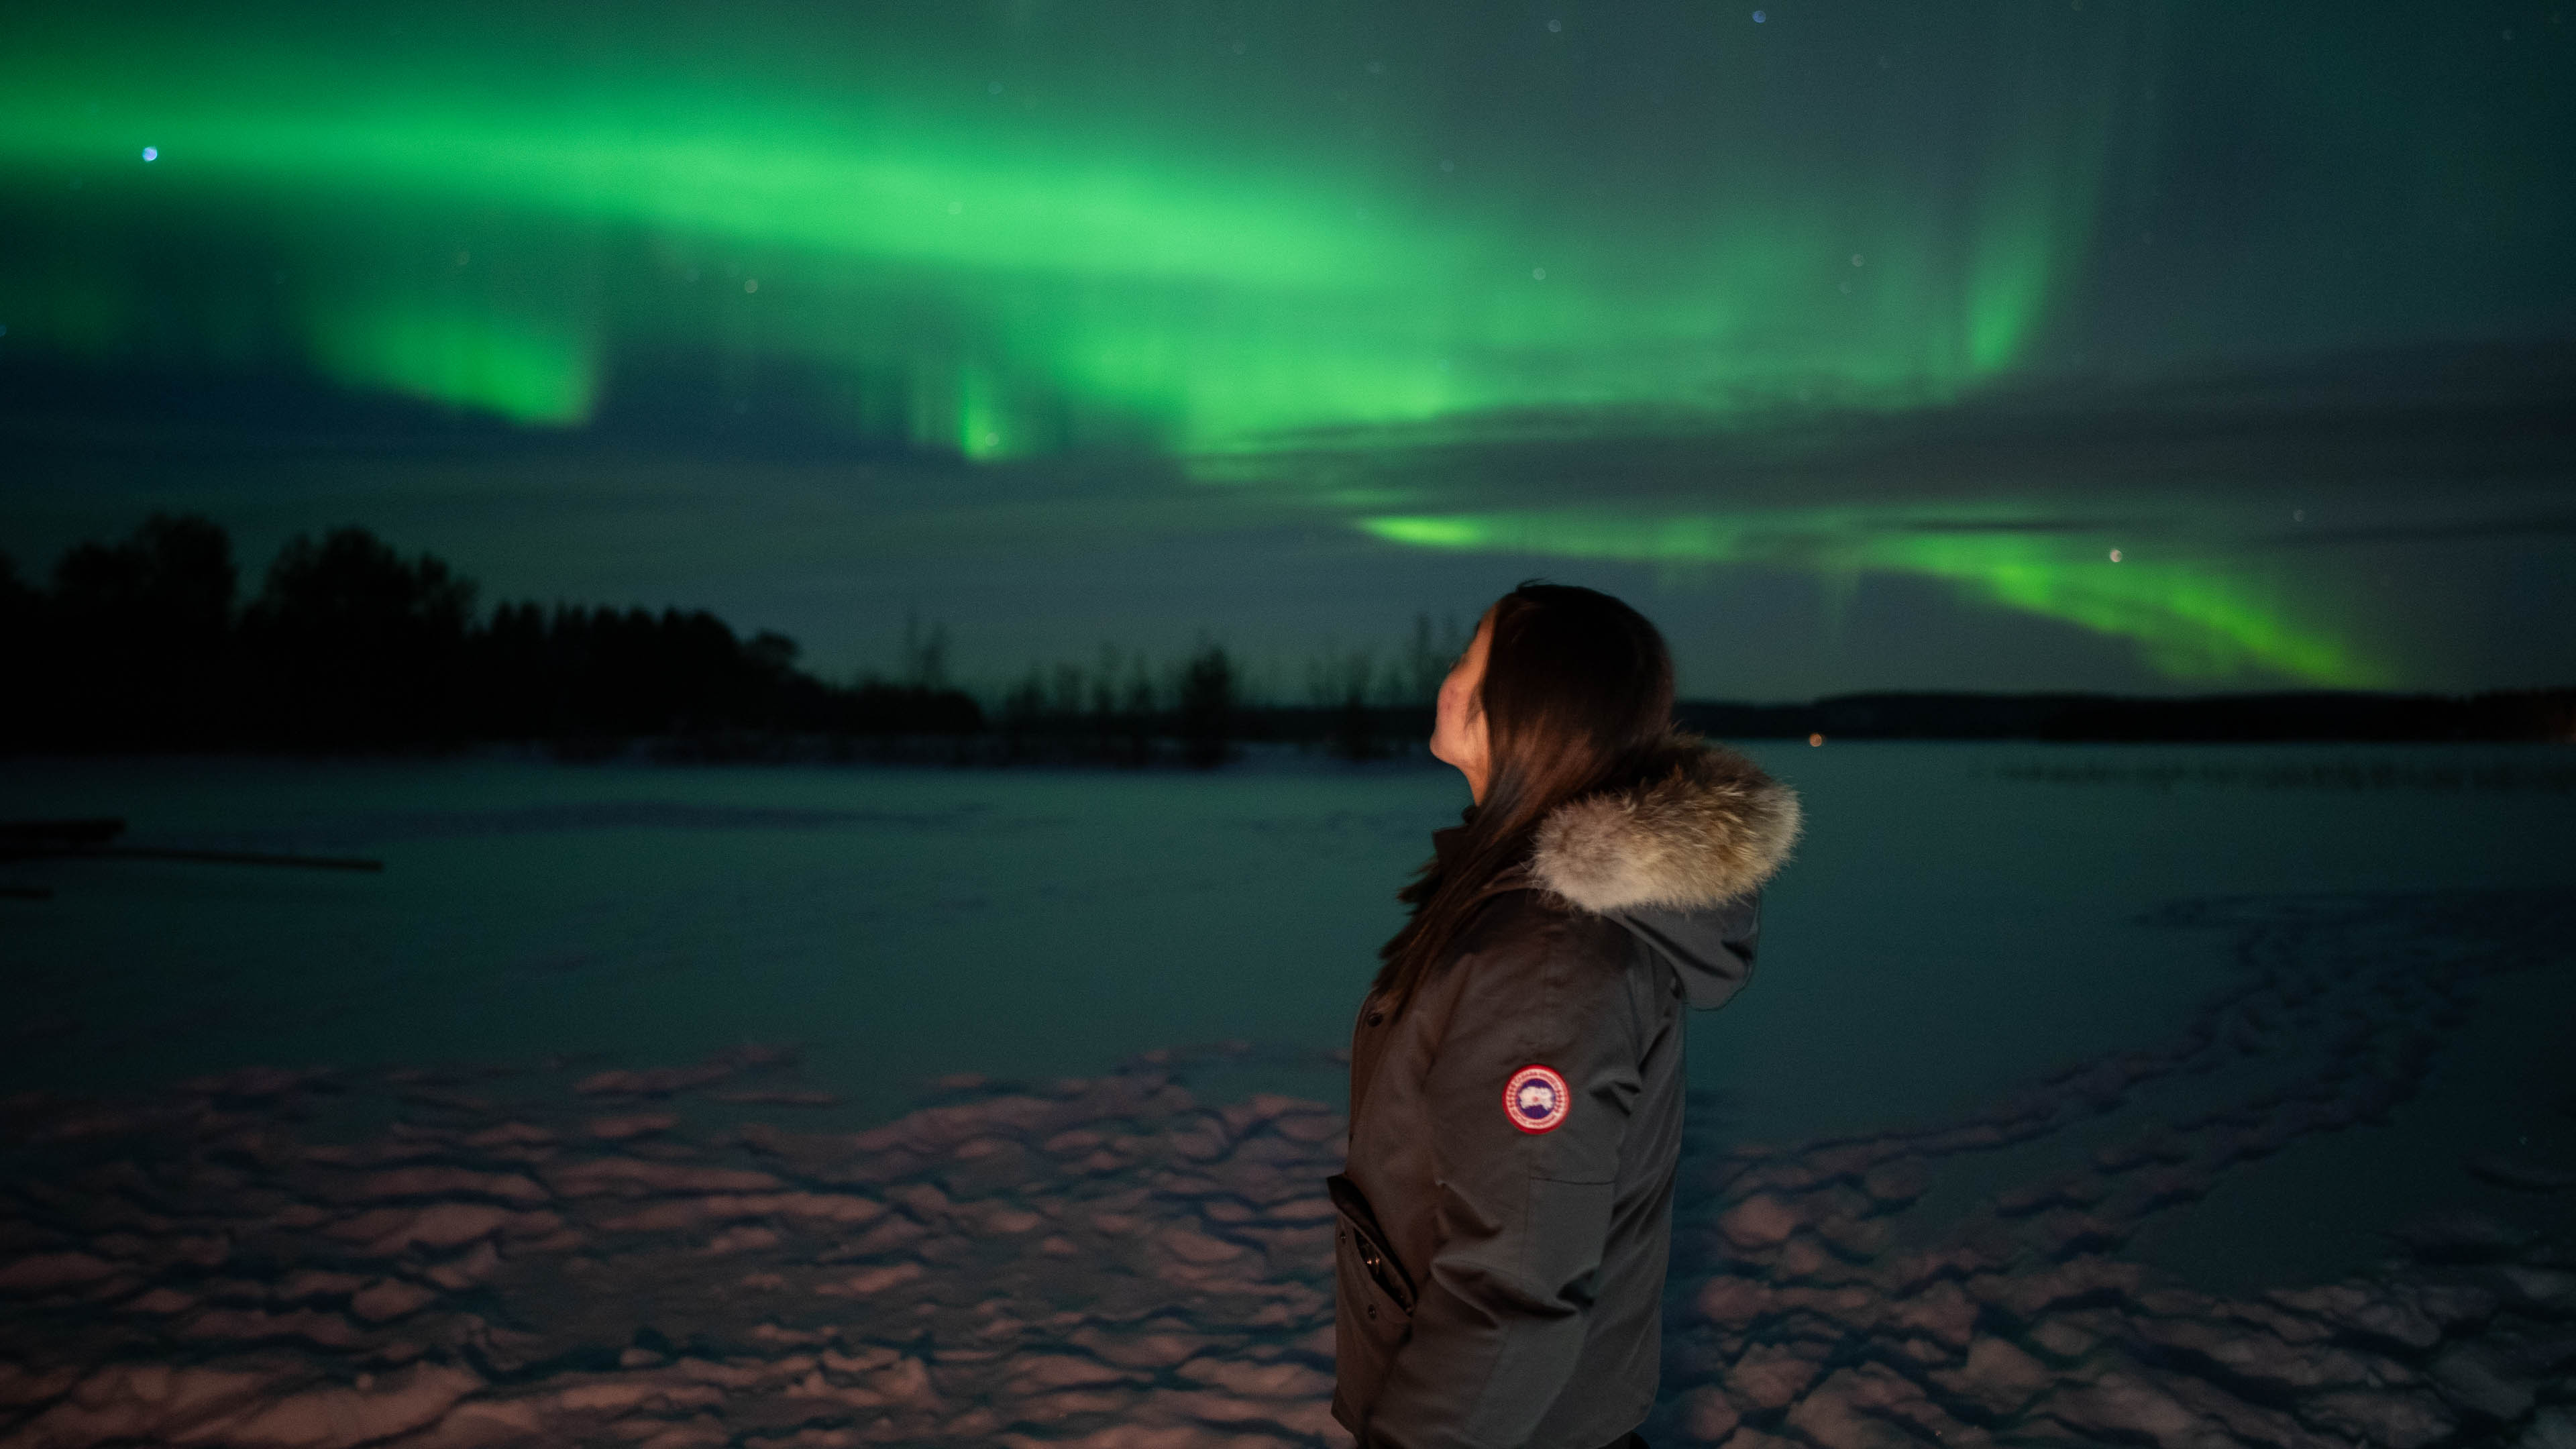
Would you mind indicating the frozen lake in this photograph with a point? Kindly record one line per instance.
(1961, 921)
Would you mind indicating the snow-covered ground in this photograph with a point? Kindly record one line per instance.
(2068, 1076)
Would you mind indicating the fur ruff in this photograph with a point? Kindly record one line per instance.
(1704, 828)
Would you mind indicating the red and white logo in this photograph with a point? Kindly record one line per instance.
(1535, 1099)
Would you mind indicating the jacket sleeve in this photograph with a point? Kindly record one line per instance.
(1522, 1216)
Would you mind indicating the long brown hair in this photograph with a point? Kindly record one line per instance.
(1578, 691)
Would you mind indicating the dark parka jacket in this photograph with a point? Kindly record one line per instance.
(1503, 1231)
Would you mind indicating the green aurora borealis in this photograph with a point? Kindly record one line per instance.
(1242, 241)
(2193, 622)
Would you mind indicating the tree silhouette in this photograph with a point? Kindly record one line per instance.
(1207, 703)
(350, 644)
(139, 635)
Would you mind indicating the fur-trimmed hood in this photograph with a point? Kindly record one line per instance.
(1678, 860)
(1706, 827)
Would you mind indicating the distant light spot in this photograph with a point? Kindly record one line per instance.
(956, 208)
(1761, 15)
(751, 284)
(1554, 26)
(1538, 274)
(1856, 259)
(1815, 741)
(151, 153)
(995, 88)
(2115, 555)
(1448, 165)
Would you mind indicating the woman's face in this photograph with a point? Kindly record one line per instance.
(1458, 734)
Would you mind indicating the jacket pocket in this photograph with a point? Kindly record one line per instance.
(1372, 1305)
(1360, 1235)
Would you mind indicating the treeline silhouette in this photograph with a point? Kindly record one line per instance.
(145, 644)
(1121, 708)
(350, 645)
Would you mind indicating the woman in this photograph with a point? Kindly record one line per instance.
(1516, 1071)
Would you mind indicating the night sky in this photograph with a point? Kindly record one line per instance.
(2160, 348)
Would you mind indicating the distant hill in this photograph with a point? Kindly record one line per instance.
(2312, 715)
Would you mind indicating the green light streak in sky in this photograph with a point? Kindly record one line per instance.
(2190, 621)
(992, 286)
(527, 375)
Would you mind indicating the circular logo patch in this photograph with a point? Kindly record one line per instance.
(1535, 1099)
